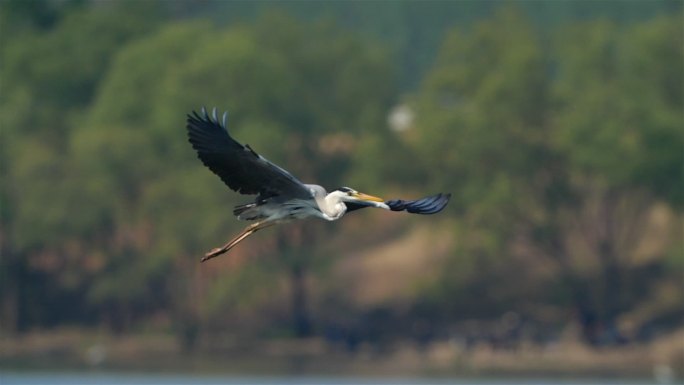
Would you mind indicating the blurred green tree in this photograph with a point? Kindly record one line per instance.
(49, 74)
(561, 149)
(544, 147)
(618, 126)
(480, 122)
(297, 93)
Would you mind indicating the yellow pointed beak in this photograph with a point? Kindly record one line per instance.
(367, 197)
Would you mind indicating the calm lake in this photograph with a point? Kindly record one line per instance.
(95, 378)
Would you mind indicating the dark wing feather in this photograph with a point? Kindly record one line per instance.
(238, 166)
(429, 205)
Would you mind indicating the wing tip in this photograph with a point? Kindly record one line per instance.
(428, 205)
(203, 116)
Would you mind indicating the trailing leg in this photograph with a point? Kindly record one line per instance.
(249, 230)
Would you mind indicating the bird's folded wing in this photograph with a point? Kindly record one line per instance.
(238, 166)
(428, 205)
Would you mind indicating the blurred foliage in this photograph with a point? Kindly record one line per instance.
(561, 144)
(562, 153)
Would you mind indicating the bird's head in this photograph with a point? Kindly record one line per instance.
(346, 194)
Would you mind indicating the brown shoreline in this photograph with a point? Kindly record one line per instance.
(78, 350)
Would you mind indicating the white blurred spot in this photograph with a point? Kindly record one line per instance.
(663, 374)
(95, 355)
(400, 118)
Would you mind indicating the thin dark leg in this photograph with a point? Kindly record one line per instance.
(249, 230)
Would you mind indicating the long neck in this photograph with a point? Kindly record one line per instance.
(331, 206)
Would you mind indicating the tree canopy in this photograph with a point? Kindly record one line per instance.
(561, 144)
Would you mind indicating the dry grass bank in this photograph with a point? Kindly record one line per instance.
(78, 350)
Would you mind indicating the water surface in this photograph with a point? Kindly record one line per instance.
(106, 378)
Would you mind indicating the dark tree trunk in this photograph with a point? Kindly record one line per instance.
(10, 313)
(585, 308)
(611, 271)
(300, 315)
(586, 312)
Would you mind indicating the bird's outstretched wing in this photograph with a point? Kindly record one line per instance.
(238, 166)
(428, 205)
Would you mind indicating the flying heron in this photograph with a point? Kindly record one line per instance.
(280, 197)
